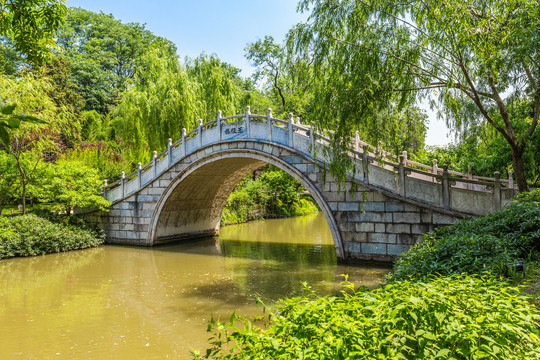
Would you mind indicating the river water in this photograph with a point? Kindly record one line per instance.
(116, 302)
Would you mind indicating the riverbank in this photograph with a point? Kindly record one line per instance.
(28, 235)
(270, 193)
(453, 296)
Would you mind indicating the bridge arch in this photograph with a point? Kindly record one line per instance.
(192, 203)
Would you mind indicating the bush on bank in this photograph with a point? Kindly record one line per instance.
(487, 243)
(28, 235)
(273, 194)
(458, 317)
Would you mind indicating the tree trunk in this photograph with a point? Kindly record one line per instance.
(24, 197)
(519, 168)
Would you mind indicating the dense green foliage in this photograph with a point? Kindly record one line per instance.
(474, 246)
(273, 193)
(30, 26)
(457, 317)
(31, 235)
(478, 60)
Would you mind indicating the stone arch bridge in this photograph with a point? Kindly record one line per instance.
(182, 191)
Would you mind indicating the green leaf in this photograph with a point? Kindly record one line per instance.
(7, 110)
(4, 136)
(30, 119)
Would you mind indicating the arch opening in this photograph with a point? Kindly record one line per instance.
(192, 204)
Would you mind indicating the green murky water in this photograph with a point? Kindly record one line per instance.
(117, 302)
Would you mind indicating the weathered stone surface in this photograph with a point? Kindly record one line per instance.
(365, 225)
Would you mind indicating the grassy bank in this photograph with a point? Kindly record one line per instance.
(28, 235)
(451, 297)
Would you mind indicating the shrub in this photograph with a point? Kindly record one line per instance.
(457, 317)
(31, 235)
(474, 246)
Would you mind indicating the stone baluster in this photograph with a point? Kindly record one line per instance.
(469, 176)
(497, 191)
(123, 184)
(291, 137)
(434, 169)
(105, 188)
(356, 141)
(218, 123)
(312, 138)
(139, 176)
(510, 180)
(199, 132)
(169, 153)
(154, 164)
(269, 124)
(248, 127)
(184, 140)
(446, 187)
(405, 159)
(365, 163)
(298, 120)
(401, 175)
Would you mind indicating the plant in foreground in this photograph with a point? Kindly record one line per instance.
(458, 317)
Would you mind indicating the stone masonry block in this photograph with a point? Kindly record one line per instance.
(127, 227)
(397, 249)
(147, 198)
(380, 227)
(346, 226)
(381, 238)
(233, 146)
(406, 239)
(406, 217)
(301, 167)
(359, 237)
(426, 217)
(333, 205)
(312, 177)
(373, 206)
(442, 219)
(140, 227)
(411, 207)
(365, 227)
(394, 206)
(398, 228)
(155, 190)
(258, 146)
(267, 148)
(148, 206)
(348, 206)
(352, 247)
(293, 159)
(365, 217)
(421, 229)
(334, 196)
(347, 236)
(368, 248)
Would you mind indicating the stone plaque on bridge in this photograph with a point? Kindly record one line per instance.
(233, 131)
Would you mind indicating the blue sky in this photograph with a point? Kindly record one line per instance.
(219, 26)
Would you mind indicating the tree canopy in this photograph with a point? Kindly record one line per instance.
(478, 59)
(31, 25)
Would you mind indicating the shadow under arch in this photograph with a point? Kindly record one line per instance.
(192, 203)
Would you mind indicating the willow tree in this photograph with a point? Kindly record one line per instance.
(477, 58)
(161, 101)
(218, 85)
